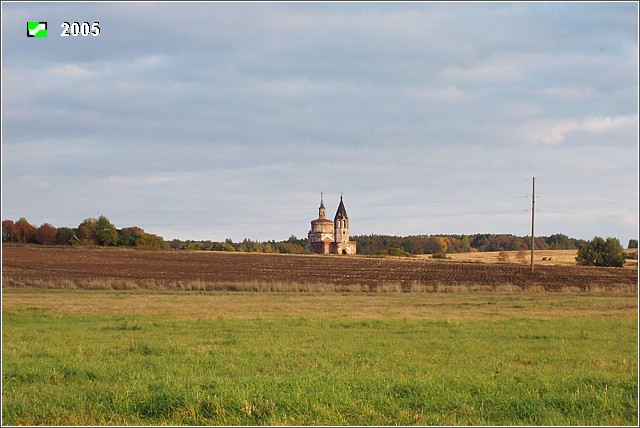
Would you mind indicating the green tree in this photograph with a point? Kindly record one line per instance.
(223, 246)
(106, 233)
(600, 252)
(633, 243)
(290, 248)
(399, 252)
(481, 242)
(152, 242)
(432, 245)
(560, 242)
(195, 246)
(129, 236)
(65, 236)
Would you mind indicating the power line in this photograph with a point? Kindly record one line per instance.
(402, 204)
(252, 192)
(583, 214)
(465, 214)
(562, 198)
(441, 202)
(591, 183)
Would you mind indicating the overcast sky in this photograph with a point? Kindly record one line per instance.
(227, 120)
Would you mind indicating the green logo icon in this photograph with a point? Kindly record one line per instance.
(36, 29)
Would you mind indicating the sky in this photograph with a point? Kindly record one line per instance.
(210, 121)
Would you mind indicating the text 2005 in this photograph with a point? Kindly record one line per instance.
(80, 29)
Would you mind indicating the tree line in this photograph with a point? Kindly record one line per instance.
(396, 245)
(291, 246)
(91, 232)
(446, 244)
(101, 232)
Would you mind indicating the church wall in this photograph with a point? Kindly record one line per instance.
(346, 248)
(320, 237)
(341, 235)
(320, 247)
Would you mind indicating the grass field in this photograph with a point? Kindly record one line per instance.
(216, 358)
(541, 257)
(558, 257)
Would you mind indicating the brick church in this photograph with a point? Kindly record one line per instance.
(331, 237)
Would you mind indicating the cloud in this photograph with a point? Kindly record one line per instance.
(552, 131)
(605, 124)
(70, 71)
(491, 71)
(275, 102)
(563, 93)
(444, 94)
(137, 180)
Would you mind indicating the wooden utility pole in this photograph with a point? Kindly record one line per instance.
(533, 210)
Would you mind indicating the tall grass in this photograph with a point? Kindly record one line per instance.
(126, 368)
(298, 287)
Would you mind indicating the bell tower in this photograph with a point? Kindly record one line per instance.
(341, 224)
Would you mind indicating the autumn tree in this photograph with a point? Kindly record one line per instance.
(445, 244)
(9, 231)
(46, 234)
(87, 231)
(25, 231)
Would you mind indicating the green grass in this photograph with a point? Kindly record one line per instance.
(128, 368)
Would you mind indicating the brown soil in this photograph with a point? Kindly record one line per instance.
(33, 265)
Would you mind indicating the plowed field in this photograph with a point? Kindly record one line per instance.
(53, 266)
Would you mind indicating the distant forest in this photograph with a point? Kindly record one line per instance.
(101, 232)
(397, 245)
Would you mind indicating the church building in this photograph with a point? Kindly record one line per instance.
(331, 237)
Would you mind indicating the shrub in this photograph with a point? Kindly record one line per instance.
(397, 252)
(631, 256)
(600, 252)
(440, 256)
(503, 256)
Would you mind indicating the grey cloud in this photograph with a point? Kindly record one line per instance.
(233, 100)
